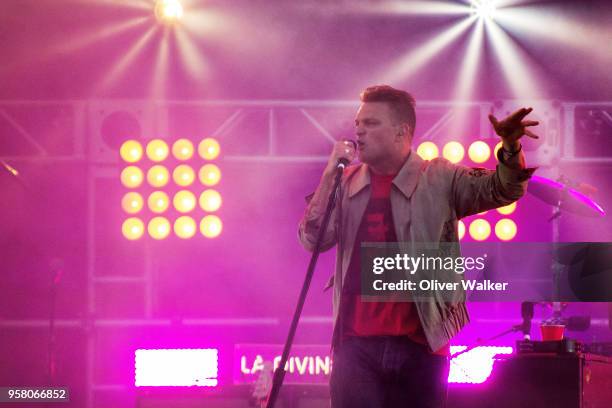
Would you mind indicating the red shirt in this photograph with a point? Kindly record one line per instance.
(378, 318)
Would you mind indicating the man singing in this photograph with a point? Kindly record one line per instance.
(395, 354)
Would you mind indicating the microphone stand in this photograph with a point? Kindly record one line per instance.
(57, 266)
(56, 269)
(279, 374)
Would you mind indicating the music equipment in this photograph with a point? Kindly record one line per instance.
(541, 380)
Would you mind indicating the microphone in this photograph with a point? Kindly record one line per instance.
(343, 162)
(527, 315)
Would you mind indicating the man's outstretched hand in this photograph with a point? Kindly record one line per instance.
(512, 128)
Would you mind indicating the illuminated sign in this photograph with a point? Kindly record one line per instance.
(306, 364)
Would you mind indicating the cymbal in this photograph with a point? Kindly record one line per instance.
(554, 193)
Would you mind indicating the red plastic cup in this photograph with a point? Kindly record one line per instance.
(552, 332)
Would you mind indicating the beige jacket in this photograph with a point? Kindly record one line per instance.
(427, 200)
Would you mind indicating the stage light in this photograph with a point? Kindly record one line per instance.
(480, 229)
(185, 227)
(476, 365)
(159, 228)
(423, 54)
(484, 8)
(210, 200)
(132, 228)
(158, 176)
(522, 75)
(461, 229)
(157, 150)
(158, 202)
(507, 209)
(211, 226)
(428, 150)
(131, 177)
(505, 229)
(168, 11)
(479, 152)
(132, 202)
(182, 149)
(184, 201)
(497, 147)
(209, 175)
(131, 151)
(176, 367)
(453, 152)
(209, 149)
(183, 175)
(465, 84)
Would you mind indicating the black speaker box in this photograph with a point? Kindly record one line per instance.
(541, 381)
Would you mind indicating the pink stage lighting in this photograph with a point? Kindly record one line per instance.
(476, 365)
(176, 367)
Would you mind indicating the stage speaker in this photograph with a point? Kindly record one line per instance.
(539, 380)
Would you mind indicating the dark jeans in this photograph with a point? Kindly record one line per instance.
(389, 372)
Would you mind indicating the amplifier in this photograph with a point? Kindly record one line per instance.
(604, 349)
(559, 347)
(572, 380)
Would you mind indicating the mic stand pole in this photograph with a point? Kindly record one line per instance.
(279, 374)
(51, 351)
(56, 268)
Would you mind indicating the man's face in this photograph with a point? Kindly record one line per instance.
(377, 133)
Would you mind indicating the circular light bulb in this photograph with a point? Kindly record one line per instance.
(428, 150)
(158, 176)
(131, 177)
(209, 149)
(453, 152)
(480, 229)
(131, 151)
(211, 226)
(479, 152)
(132, 228)
(505, 229)
(158, 202)
(209, 175)
(157, 150)
(507, 209)
(496, 149)
(159, 228)
(210, 200)
(184, 201)
(185, 227)
(132, 202)
(461, 229)
(182, 149)
(183, 175)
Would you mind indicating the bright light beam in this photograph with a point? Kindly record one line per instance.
(514, 62)
(464, 87)
(210, 24)
(160, 72)
(84, 41)
(470, 64)
(133, 4)
(127, 58)
(191, 57)
(79, 43)
(407, 8)
(168, 11)
(484, 9)
(418, 57)
(552, 26)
